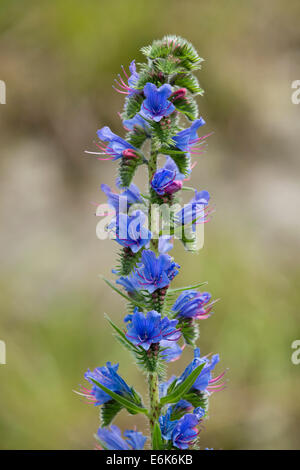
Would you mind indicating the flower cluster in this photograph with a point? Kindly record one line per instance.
(161, 321)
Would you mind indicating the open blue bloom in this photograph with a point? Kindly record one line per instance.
(112, 439)
(194, 211)
(154, 272)
(185, 431)
(116, 145)
(168, 179)
(156, 104)
(136, 122)
(204, 380)
(130, 231)
(165, 243)
(108, 377)
(187, 138)
(192, 304)
(121, 202)
(146, 330)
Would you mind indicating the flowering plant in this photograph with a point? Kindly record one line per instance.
(161, 320)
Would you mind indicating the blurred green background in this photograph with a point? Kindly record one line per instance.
(59, 59)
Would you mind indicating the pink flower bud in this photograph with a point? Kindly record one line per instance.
(129, 153)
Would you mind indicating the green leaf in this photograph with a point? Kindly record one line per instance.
(180, 289)
(131, 346)
(157, 442)
(180, 390)
(110, 284)
(129, 405)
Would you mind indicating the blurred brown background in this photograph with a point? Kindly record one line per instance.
(59, 59)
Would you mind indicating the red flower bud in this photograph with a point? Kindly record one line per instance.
(130, 153)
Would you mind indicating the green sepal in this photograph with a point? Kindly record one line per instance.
(190, 330)
(181, 159)
(188, 81)
(108, 412)
(188, 107)
(132, 106)
(127, 261)
(127, 169)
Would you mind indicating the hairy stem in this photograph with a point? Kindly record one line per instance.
(152, 165)
(154, 402)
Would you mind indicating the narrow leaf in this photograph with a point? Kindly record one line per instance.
(110, 284)
(184, 387)
(180, 289)
(129, 405)
(157, 443)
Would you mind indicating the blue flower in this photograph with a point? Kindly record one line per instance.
(166, 425)
(172, 351)
(204, 381)
(121, 202)
(150, 329)
(128, 282)
(130, 231)
(116, 145)
(156, 104)
(136, 122)
(132, 80)
(187, 138)
(185, 431)
(163, 182)
(182, 406)
(108, 377)
(112, 439)
(135, 439)
(194, 211)
(154, 272)
(165, 243)
(171, 165)
(182, 432)
(168, 179)
(192, 304)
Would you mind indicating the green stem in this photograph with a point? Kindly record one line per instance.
(154, 402)
(152, 165)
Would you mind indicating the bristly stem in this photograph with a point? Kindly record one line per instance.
(154, 402)
(152, 165)
(153, 376)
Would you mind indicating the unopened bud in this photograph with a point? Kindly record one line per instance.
(129, 153)
(179, 94)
